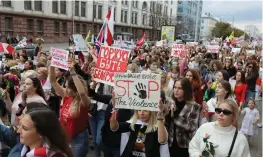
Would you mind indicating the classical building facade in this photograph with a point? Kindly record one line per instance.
(56, 20)
(207, 24)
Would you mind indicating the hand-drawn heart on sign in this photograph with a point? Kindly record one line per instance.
(137, 91)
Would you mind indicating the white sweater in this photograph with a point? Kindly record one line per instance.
(221, 136)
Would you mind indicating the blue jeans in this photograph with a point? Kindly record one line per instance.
(96, 124)
(80, 144)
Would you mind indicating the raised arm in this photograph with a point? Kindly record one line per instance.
(79, 85)
(52, 77)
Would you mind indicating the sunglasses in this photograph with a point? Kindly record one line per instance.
(225, 111)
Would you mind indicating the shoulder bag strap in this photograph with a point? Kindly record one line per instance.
(232, 145)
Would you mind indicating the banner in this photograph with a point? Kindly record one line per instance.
(59, 58)
(179, 50)
(236, 50)
(110, 61)
(191, 44)
(79, 42)
(212, 48)
(168, 33)
(137, 91)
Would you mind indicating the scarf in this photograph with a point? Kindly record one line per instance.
(43, 151)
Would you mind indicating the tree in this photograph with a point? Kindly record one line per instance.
(223, 29)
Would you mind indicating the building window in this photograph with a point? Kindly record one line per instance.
(171, 12)
(63, 7)
(76, 8)
(83, 9)
(99, 11)
(171, 2)
(77, 28)
(54, 6)
(40, 27)
(202, 21)
(56, 28)
(135, 4)
(6, 3)
(202, 27)
(144, 19)
(94, 11)
(9, 24)
(38, 5)
(134, 17)
(64, 28)
(124, 14)
(84, 29)
(28, 5)
(30, 25)
(125, 2)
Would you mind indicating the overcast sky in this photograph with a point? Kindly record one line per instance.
(247, 12)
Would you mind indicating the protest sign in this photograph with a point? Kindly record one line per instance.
(212, 48)
(59, 58)
(191, 44)
(161, 43)
(110, 60)
(179, 50)
(236, 50)
(79, 42)
(137, 91)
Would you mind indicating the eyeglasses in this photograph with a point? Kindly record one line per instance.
(225, 111)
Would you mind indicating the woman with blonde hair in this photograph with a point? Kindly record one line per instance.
(221, 135)
(144, 134)
(74, 110)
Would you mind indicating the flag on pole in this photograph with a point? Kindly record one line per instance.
(141, 41)
(107, 31)
(87, 37)
(231, 36)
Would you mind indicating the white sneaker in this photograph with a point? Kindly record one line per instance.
(259, 125)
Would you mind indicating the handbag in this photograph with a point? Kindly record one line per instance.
(232, 145)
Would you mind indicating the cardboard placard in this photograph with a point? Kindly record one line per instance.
(59, 58)
(212, 48)
(236, 50)
(79, 42)
(137, 91)
(110, 61)
(179, 50)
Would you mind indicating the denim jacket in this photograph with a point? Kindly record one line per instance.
(8, 137)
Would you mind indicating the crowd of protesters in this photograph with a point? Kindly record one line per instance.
(49, 112)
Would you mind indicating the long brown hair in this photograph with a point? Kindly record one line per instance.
(187, 88)
(49, 127)
(76, 102)
(37, 84)
(196, 82)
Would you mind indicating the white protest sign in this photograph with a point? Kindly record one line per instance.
(137, 91)
(59, 58)
(236, 50)
(179, 50)
(79, 42)
(191, 44)
(212, 48)
(250, 52)
(161, 43)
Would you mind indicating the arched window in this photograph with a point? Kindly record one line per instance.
(144, 6)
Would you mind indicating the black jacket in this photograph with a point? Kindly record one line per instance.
(112, 139)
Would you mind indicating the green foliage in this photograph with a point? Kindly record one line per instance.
(224, 29)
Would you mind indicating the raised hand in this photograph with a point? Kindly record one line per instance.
(141, 90)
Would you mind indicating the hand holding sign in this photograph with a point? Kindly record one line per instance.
(141, 90)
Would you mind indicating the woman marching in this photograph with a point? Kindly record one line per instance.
(74, 110)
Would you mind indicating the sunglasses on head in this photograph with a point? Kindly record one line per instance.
(225, 111)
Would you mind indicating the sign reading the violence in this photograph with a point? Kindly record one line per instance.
(59, 58)
(212, 48)
(179, 50)
(110, 61)
(137, 91)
